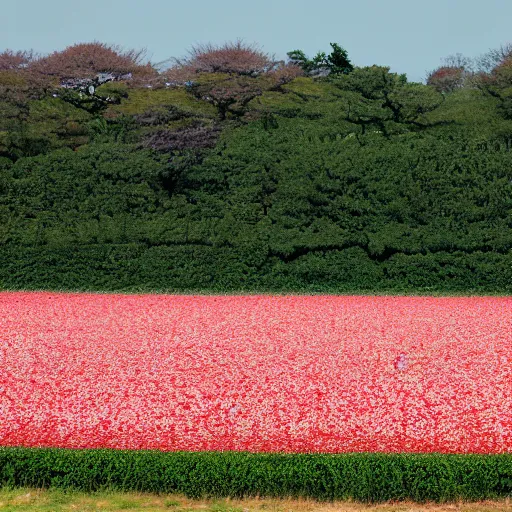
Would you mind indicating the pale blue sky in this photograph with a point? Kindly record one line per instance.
(411, 36)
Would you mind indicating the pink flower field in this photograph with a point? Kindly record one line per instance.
(256, 373)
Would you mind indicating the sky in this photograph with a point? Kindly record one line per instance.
(410, 36)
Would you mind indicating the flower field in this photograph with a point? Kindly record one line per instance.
(256, 373)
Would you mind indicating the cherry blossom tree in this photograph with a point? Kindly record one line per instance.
(446, 78)
(15, 60)
(236, 58)
(86, 60)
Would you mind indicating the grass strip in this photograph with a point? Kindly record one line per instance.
(57, 500)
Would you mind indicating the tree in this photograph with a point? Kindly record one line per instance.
(230, 94)
(495, 78)
(86, 60)
(492, 59)
(236, 58)
(373, 97)
(11, 60)
(498, 84)
(458, 60)
(446, 79)
(75, 73)
(18, 87)
(336, 63)
(19, 64)
(229, 76)
(456, 72)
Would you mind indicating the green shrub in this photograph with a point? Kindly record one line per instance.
(362, 477)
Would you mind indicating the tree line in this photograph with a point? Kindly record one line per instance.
(228, 170)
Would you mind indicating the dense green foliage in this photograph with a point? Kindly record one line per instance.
(358, 182)
(362, 477)
(336, 63)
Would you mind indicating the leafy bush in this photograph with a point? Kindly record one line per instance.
(362, 477)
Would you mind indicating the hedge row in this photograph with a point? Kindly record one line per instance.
(362, 477)
(139, 268)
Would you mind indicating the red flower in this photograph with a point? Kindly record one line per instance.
(256, 373)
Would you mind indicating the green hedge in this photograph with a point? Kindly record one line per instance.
(362, 477)
(195, 268)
